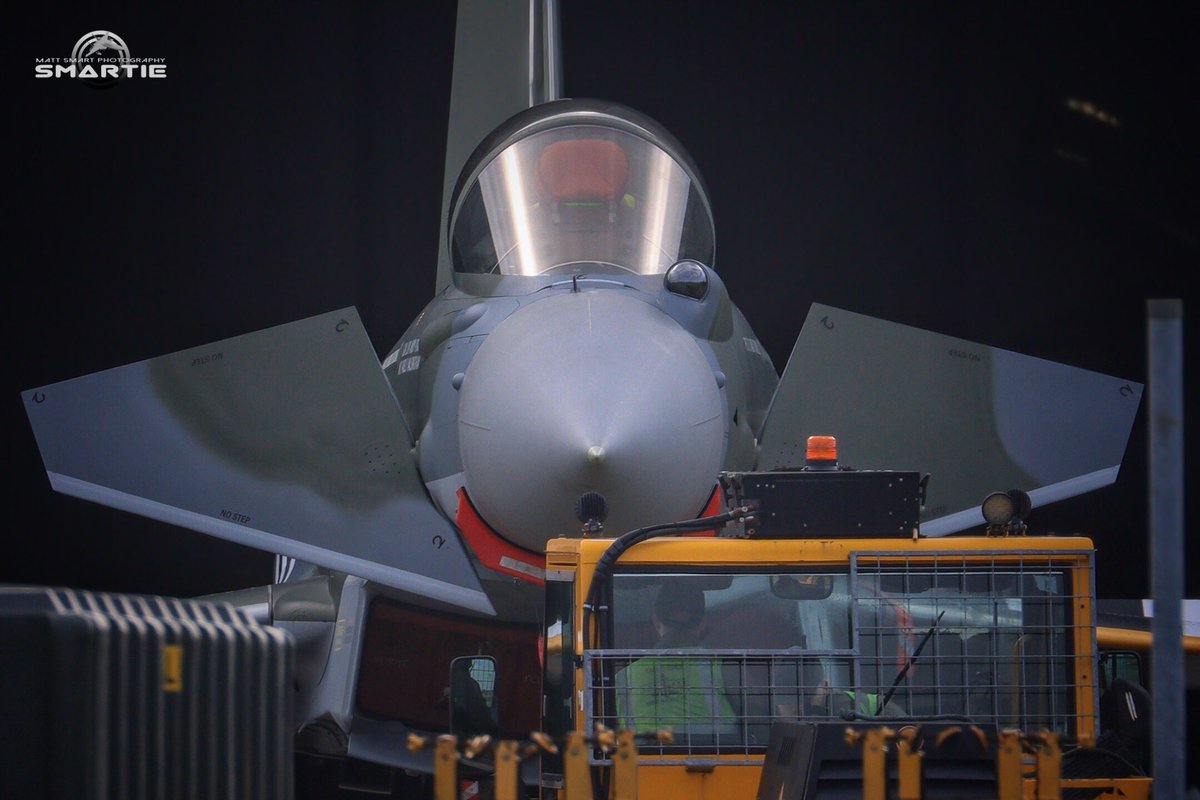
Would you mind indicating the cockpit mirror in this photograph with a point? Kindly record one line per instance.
(802, 587)
(473, 696)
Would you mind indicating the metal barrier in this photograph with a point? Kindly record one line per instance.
(144, 697)
(1012, 639)
(575, 749)
(998, 638)
(715, 701)
(1014, 752)
(1011, 745)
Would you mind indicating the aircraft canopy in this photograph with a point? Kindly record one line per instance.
(581, 198)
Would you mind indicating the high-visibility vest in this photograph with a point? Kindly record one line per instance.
(675, 692)
(869, 706)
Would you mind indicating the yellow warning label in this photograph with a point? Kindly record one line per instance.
(172, 660)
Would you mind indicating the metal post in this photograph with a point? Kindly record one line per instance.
(445, 768)
(909, 763)
(1165, 345)
(1008, 766)
(577, 772)
(1049, 768)
(625, 766)
(874, 763)
(507, 762)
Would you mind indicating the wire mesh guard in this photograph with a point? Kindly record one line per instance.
(997, 638)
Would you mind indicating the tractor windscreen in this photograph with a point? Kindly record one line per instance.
(721, 655)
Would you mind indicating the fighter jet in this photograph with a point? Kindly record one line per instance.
(580, 344)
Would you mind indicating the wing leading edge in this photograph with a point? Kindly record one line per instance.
(978, 418)
(288, 440)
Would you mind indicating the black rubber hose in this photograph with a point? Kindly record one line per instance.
(608, 559)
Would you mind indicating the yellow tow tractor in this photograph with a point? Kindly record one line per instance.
(810, 638)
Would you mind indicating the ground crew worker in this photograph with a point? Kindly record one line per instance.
(826, 701)
(683, 693)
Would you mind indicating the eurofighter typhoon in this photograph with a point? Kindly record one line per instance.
(581, 364)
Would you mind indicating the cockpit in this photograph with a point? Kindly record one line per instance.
(580, 197)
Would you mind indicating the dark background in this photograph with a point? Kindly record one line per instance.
(915, 162)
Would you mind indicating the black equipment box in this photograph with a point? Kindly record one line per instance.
(124, 696)
(827, 502)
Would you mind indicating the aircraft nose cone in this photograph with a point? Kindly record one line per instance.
(588, 391)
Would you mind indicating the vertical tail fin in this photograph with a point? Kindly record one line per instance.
(505, 61)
